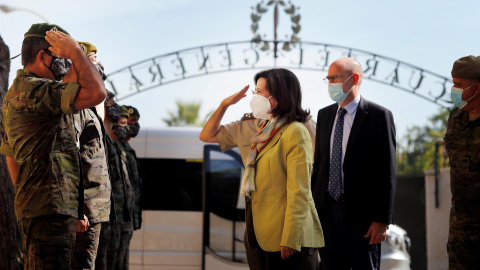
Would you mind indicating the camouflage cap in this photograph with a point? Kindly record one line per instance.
(124, 111)
(40, 30)
(467, 67)
(87, 47)
(133, 111)
(110, 95)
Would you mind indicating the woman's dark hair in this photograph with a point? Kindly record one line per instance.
(30, 48)
(284, 86)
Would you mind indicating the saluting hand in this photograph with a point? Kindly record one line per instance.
(62, 44)
(233, 99)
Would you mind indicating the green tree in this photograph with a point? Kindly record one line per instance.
(416, 150)
(187, 114)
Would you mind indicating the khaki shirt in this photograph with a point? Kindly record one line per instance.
(41, 134)
(239, 133)
(96, 180)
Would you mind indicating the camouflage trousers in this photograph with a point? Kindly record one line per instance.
(108, 246)
(123, 250)
(463, 248)
(48, 241)
(86, 246)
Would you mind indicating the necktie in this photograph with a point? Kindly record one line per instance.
(336, 188)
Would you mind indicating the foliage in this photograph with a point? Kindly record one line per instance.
(187, 114)
(416, 150)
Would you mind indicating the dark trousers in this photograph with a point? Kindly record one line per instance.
(463, 246)
(103, 243)
(258, 259)
(108, 248)
(345, 247)
(123, 253)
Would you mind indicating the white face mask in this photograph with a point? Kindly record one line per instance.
(456, 95)
(260, 106)
(335, 91)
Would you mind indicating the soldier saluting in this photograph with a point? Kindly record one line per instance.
(40, 140)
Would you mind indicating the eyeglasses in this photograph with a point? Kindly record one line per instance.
(334, 78)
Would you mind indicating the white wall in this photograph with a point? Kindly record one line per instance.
(437, 219)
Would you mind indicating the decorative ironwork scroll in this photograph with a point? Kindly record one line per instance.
(224, 57)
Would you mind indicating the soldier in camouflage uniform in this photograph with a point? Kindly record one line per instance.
(133, 129)
(110, 252)
(40, 141)
(96, 182)
(462, 142)
(126, 227)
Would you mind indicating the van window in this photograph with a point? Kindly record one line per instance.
(171, 184)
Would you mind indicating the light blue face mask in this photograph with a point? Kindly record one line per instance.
(456, 96)
(335, 91)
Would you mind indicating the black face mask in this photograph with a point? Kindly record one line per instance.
(59, 66)
(113, 112)
(121, 132)
(133, 130)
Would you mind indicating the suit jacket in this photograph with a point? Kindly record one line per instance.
(369, 165)
(282, 205)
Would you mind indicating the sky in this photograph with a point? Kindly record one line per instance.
(429, 34)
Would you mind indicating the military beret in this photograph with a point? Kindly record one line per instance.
(467, 67)
(133, 111)
(41, 29)
(87, 47)
(110, 95)
(124, 111)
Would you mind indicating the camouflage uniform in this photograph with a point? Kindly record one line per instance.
(127, 226)
(110, 237)
(41, 134)
(462, 142)
(137, 184)
(97, 188)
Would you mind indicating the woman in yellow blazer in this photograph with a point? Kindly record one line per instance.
(281, 219)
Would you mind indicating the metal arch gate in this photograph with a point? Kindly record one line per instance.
(246, 55)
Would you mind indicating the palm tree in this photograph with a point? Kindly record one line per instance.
(186, 115)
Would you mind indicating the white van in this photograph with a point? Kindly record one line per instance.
(183, 229)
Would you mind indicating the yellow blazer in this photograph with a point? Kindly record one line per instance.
(283, 210)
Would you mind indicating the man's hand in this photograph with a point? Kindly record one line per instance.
(233, 99)
(62, 44)
(82, 225)
(377, 232)
(287, 252)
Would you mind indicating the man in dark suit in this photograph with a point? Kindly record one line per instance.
(354, 175)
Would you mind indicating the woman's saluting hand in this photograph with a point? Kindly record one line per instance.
(233, 99)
